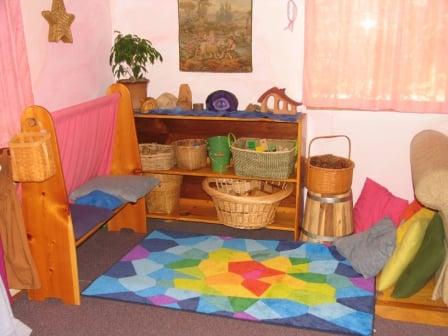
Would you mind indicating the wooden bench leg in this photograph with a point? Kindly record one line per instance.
(132, 216)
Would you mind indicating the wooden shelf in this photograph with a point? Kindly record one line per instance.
(195, 205)
(207, 172)
(203, 211)
(198, 118)
(418, 308)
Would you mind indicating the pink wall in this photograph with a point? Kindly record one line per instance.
(380, 140)
(63, 74)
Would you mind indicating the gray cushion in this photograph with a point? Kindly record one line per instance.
(369, 251)
(126, 187)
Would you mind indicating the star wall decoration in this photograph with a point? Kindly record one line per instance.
(59, 21)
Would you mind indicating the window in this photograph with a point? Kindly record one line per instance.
(377, 55)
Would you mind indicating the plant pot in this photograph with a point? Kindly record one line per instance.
(137, 89)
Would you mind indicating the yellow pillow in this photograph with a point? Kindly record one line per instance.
(409, 238)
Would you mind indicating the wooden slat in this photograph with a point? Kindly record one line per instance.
(418, 308)
(207, 172)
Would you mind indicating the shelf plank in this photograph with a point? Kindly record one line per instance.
(207, 172)
(187, 117)
(418, 308)
(203, 211)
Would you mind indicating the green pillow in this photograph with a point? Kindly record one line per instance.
(426, 262)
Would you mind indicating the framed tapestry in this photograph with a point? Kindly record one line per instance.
(215, 35)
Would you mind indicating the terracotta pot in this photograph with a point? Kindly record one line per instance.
(137, 89)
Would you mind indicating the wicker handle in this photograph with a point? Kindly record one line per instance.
(332, 136)
(231, 138)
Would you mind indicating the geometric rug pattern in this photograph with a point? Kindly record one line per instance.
(303, 285)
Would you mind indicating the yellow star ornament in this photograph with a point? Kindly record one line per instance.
(59, 21)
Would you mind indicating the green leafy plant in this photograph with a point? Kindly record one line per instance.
(130, 54)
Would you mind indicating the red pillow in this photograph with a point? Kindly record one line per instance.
(375, 203)
(411, 209)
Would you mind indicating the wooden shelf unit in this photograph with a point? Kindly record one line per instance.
(419, 308)
(195, 204)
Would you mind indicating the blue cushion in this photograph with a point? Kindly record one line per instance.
(86, 217)
(126, 187)
(100, 199)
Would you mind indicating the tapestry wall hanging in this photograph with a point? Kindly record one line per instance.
(215, 35)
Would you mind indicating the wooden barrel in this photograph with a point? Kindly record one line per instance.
(327, 217)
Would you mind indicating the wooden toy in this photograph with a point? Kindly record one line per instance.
(282, 103)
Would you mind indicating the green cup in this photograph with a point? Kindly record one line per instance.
(218, 148)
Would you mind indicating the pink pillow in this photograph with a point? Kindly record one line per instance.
(375, 203)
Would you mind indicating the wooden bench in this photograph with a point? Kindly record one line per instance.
(51, 228)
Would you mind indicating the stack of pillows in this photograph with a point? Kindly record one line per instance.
(403, 241)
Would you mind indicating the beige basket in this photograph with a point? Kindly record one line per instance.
(276, 165)
(165, 197)
(329, 181)
(32, 157)
(156, 156)
(246, 204)
(191, 153)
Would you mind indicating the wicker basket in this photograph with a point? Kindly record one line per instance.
(329, 181)
(32, 157)
(246, 204)
(165, 197)
(276, 165)
(191, 153)
(156, 156)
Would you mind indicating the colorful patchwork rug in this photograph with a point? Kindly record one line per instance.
(303, 285)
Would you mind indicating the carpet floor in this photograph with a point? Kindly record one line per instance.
(106, 317)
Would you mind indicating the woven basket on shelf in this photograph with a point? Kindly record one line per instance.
(32, 157)
(191, 153)
(246, 204)
(165, 197)
(277, 164)
(156, 156)
(329, 181)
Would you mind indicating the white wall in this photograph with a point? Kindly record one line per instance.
(380, 140)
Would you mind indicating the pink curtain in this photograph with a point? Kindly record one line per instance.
(15, 83)
(85, 138)
(377, 55)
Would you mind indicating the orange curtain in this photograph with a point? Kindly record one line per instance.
(377, 55)
(15, 83)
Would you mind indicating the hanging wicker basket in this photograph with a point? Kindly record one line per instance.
(329, 174)
(246, 204)
(32, 158)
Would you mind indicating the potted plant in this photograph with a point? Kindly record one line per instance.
(128, 57)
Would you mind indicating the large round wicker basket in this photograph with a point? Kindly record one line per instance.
(329, 180)
(246, 204)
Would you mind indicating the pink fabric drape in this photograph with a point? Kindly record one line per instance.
(15, 84)
(85, 138)
(377, 55)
